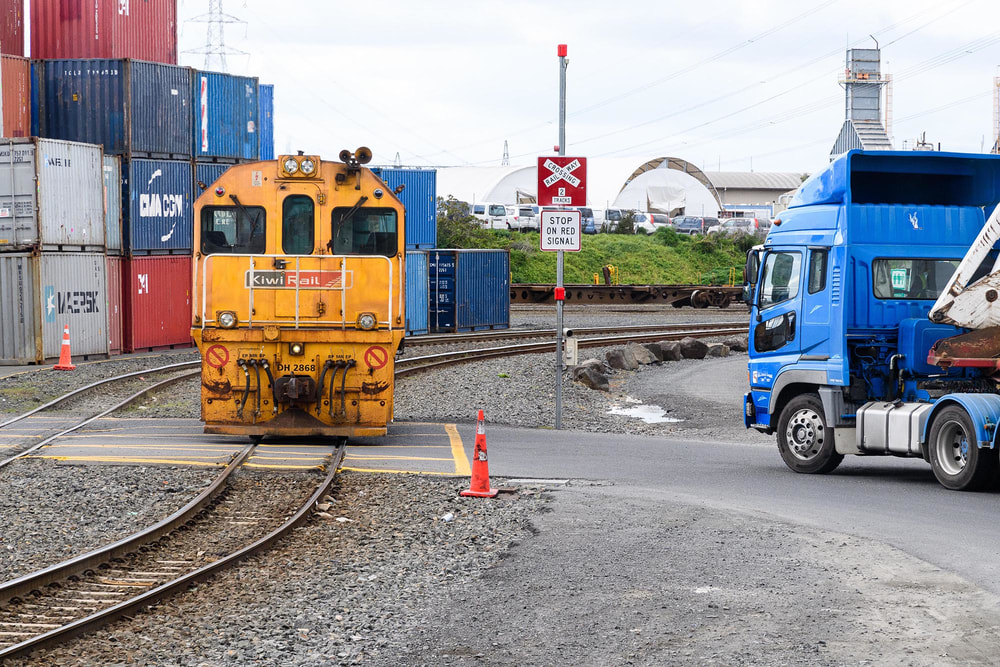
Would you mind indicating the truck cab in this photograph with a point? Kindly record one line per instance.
(842, 357)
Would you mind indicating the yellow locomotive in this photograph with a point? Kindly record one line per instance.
(298, 298)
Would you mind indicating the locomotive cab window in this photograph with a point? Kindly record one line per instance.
(364, 231)
(297, 225)
(237, 230)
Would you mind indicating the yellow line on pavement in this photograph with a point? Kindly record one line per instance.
(122, 459)
(290, 467)
(462, 467)
(195, 448)
(399, 472)
(393, 458)
(381, 446)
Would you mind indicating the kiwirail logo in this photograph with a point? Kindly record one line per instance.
(299, 279)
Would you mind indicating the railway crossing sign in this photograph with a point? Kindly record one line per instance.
(562, 181)
(560, 230)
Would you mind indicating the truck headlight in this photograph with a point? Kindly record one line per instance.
(227, 319)
(367, 321)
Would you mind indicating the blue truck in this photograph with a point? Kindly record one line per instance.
(873, 316)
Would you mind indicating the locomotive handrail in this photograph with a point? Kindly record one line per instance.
(252, 268)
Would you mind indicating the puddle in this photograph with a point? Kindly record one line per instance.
(651, 414)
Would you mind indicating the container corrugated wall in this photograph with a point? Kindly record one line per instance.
(207, 174)
(417, 293)
(130, 107)
(40, 294)
(113, 204)
(142, 29)
(157, 206)
(470, 290)
(226, 116)
(266, 93)
(12, 27)
(15, 91)
(57, 202)
(115, 306)
(157, 302)
(419, 197)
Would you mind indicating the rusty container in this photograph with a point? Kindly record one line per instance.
(12, 27)
(157, 302)
(15, 95)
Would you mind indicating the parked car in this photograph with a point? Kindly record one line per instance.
(691, 224)
(527, 217)
(740, 225)
(650, 222)
(609, 221)
(587, 225)
(494, 216)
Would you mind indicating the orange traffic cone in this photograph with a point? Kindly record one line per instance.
(480, 485)
(65, 361)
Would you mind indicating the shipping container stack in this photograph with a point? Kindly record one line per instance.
(108, 76)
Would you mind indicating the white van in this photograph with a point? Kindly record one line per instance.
(494, 216)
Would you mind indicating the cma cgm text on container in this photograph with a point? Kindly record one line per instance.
(157, 206)
(141, 29)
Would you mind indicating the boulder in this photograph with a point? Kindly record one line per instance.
(630, 359)
(655, 350)
(641, 354)
(671, 350)
(589, 377)
(596, 364)
(718, 350)
(692, 348)
(616, 360)
(737, 343)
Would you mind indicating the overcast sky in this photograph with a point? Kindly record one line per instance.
(729, 85)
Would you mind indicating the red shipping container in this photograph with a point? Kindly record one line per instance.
(12, 27)
(15, 91)
(140, 29)
(115, 265)
(157, 302)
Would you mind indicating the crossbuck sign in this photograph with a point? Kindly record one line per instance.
(562, 181)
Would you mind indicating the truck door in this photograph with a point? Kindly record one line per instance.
(774, 334)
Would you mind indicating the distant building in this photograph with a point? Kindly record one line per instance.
(753, 193)
(863, 117)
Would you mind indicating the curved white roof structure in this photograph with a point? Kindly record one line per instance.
(666, 185)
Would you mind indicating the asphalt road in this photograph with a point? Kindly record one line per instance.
(895, 501)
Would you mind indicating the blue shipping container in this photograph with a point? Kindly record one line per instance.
(470, 290)
(266, 93)
(419, 197)
(208, 174)
(131, 107)
(226, 115)
(158, 207)
(417, 293)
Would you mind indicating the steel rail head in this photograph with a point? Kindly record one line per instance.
(105, 616)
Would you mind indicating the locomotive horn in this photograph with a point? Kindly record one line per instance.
(363, 155)
(345, 155)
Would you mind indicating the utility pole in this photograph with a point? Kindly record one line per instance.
(561, 51)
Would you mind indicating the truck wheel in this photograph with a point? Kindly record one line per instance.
(956, 458)
(805, 443)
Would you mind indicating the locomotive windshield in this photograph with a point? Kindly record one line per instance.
(231, 229)
(297, 225)
(365, 231)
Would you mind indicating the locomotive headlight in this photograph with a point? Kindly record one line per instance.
(367, 321)
(291, 166)
(227, 319)
(307, 166)
(296, 349)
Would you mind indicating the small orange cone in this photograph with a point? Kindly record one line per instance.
(65, 361)
(480, 485)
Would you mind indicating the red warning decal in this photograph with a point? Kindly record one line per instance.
(217, 356)
(376, 357)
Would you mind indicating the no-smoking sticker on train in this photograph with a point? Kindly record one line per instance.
(217, 356)
(376, 357)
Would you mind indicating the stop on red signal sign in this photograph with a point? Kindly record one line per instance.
(562, 181)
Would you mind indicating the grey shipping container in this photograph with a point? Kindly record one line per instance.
(113, 204)
(50, 195)
(266, 91)
(419, 197)
(131, 107)
(40, 294)
(226, 116)
(417, 293)
(157, 207)
(207, 174)
(470, 290)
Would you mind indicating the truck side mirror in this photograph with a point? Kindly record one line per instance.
(750, 271)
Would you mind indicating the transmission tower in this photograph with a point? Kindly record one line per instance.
(505, 162)
(215, 49)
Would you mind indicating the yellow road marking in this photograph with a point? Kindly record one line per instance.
(410, 435)
(462, 467)
(289, 458)
(122, 459)
(402, 446)
(201, 448)
(399, 472)
(275, 465)
(393, 458)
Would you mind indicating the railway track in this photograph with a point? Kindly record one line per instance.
(413, 365)
(40, 434)
(678, 296)
(213, 532)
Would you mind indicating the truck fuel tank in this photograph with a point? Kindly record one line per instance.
(892, 428)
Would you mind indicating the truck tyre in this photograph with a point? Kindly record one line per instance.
(805, 443)
(956, 458)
